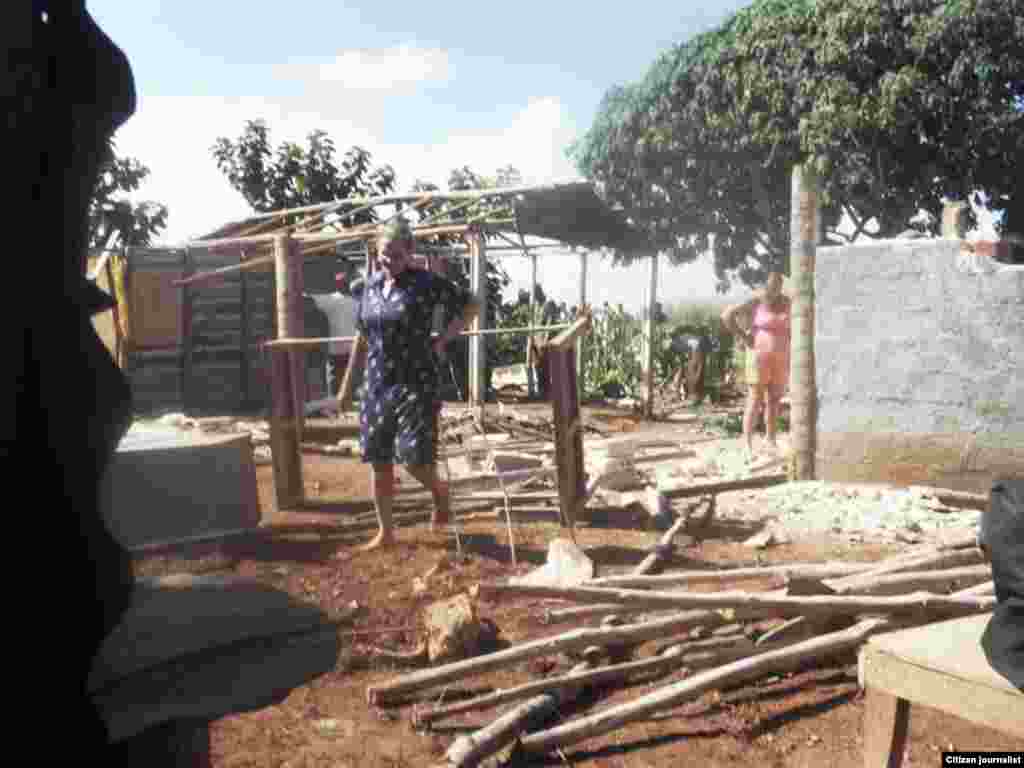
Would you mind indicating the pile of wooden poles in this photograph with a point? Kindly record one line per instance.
(826, 612)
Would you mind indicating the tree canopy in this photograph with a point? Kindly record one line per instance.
(296, 176)
(899, 103)
(114, 220)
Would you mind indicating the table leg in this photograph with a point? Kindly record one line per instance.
(886, 718)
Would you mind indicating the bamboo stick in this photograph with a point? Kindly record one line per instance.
(744, 670)
(356, 359)
(577, 638)
(934, 560)
(568, 336)
(725, 486)
(686, 578)
(662, 550)
(784, 605)
(931, 581)
(741, 671)
(406, 198)
(313, 342)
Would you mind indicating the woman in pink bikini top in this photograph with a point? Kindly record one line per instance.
(768, 354)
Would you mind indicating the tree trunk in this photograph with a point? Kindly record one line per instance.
(804, 234)
(469, 750)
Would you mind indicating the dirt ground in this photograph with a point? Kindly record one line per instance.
(811, 718)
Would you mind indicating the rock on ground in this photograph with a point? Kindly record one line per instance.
(566, 566)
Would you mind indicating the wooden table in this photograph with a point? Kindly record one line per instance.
(940, 665)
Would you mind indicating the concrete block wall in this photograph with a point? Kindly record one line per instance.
(919, 359)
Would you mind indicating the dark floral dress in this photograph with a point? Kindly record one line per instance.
(396, 414)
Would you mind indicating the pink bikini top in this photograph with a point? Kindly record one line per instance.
(771, 327)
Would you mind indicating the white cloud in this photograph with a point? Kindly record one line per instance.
(174, 135)
(382, 69)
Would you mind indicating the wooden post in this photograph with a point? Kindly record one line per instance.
(285, 442)
(804, 230)
(652, 297)
(185, 348)
(243, 342)
(531, 382)
(477, 350)
(579, 339)
(116, 309)
(288, 284)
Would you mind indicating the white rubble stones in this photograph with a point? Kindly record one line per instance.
(858, 512)
(566, 566)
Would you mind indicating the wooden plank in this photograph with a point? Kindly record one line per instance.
(154, 304)
(951, 647)
(958, 694)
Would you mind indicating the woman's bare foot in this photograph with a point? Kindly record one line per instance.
(382, 540)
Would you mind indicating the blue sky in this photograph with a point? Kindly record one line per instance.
(425, 87)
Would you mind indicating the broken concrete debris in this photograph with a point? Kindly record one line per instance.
(566, 566)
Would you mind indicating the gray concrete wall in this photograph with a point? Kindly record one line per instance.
(919, 352)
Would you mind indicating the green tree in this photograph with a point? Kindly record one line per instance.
(899, 104)
(295, 176)
(114, 220)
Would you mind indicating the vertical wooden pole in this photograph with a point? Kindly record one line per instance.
(804, 229)
(531, 382)
(652, 297)
(285, 442)
(116, 309)
(243, 336)
(288, 284)
(579, 339)
(185, 348)
(477, 350)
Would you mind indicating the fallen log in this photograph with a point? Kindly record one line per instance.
(469, 750)
(673, 657)
(662, 550)
(985, 588)
(914, 581)
(920, 603)
(547, 646)
(928, 561)
(737, 672)
(724, 486)
(685, 578)
(615, 673)
(900, 583)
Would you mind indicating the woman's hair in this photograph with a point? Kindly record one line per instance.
(396, 229)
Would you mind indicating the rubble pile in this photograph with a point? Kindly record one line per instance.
(856, 513)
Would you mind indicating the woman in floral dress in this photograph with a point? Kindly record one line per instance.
(397, 419)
